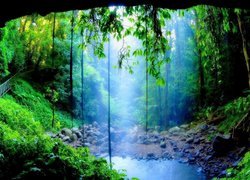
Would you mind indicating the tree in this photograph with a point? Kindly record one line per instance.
(244, 44)
(71, 63)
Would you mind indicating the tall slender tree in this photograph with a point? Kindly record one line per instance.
(53, 40)
(53, 66)
(109, 123)
(146, 70)
(244, 45)
(82, 79)
(71, 63)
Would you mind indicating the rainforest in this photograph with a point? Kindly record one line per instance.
(126, 92)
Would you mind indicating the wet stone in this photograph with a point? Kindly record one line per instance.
(190, 140)
(163, 144)
(196, 141)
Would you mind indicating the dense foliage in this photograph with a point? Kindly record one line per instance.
(177, 63)
(25, 150)
(242, 171)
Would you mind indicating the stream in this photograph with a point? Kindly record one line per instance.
(157, 169)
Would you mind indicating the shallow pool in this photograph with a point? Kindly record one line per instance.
(157, 169)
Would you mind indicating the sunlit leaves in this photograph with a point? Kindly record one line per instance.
(143, 22)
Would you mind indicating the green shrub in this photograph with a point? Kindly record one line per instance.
(242, 171)
(35, 102)
(18, 118)
(26, 152)
(234, 112)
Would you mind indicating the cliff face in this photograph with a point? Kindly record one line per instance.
(16, 8)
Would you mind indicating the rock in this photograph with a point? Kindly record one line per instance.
(95, 124)
(176, 149)
(150, 155)
(204, 127)
(153, 140)
(186, 150)
(87, 144)
(235, 164)
(202, 139)
(183, 139)
(73, 138)
(186, 146)
(61, 136)
(52, 135)
(78, 134)
(173, 143)
(66, 139)
(222, 144)
(166, 155)
(66, 132)
(174, 129)
(190, 140)
(196, 141)
(208, 158)
(183, 160)
(191, 159)
(164, 133)
(184, 126)
(163, 144)
(222, 174)
(197, 154)
(242, 150)
(74, 129)
(142, 139)
(157, 128)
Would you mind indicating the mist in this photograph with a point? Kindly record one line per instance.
(168, 105)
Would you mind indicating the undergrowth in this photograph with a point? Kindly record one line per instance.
(25, 95)
(242, 171)
(27, 152)
(233, 112)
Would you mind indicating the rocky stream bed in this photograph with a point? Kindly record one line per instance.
(199, 145)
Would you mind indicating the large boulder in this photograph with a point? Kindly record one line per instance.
(66, 139)
(66, 132)
(222, 144)
(78, 134)
(73, 138)
(174, 129)
(74, 129)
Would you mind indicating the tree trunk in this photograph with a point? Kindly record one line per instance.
(53, 108)
(244, 46)
(53, 40)
(71, 65)
(167, 93)
(201, 71)
(161, 122)
(82, 78)
(23, 25)
(109, 123)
